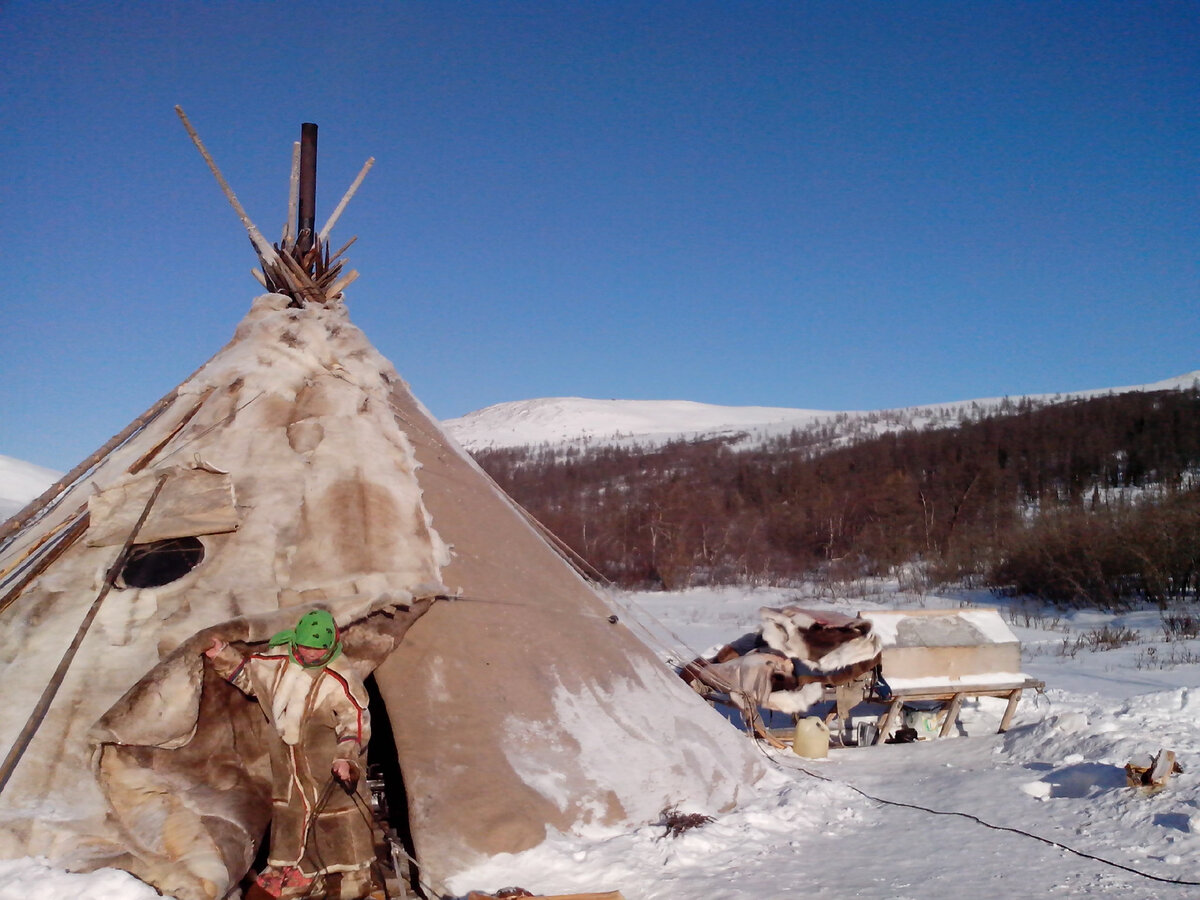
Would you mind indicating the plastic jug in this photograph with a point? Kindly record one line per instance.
(811, 738)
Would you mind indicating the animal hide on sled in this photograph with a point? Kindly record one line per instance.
(787, 663)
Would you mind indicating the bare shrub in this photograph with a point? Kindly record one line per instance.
(1180, 626)
(677, 823)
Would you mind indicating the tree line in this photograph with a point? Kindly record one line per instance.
(1088, 501)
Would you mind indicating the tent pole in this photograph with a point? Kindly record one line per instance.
(289, 228)
(340, 208)
(265, 250)
(43, 705)
(35, 506)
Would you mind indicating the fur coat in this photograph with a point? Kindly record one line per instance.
(318, 715)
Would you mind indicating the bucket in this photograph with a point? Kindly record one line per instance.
(811, 738)
(923, 721)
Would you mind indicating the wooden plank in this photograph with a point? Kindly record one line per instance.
(265, 251)
(1006, 720)
(951, 715)
(340, 208)
(889, 718)
(926, 613)
(948, 692)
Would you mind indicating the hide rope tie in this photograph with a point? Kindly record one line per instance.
(978, 821)
(43, 705)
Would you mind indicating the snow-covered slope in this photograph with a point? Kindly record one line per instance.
(20, 482)
(562, 421)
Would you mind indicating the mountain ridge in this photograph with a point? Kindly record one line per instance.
(581, 421)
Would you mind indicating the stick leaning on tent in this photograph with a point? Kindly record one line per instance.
(43, 705)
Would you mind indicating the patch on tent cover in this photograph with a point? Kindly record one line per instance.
(193, 501)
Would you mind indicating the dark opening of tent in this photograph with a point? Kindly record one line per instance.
(161, 562)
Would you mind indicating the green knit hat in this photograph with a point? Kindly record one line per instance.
(316, 629)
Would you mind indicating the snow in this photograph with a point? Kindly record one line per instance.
(1058, 773)
(32, 879)
(576, 421)
(812, 825)
(21, 482)
(561, 420)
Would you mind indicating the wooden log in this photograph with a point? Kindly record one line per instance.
(329, 275)
(265, 250)
(47, 496)
(341, 284)
(951, 715)
(1152, 778)
(890, 718)
(337, 211)
(1161, 768)
(1006, 720)
(300, 282)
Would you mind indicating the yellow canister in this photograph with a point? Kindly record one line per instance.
(811, 738)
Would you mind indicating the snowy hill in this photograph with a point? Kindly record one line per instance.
(568, 421)
(579, 421)
(20, 482)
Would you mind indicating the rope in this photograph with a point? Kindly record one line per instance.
(370, 820)
(971, 817)
(393, 839)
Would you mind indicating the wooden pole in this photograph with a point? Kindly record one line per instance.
(43, 705)
(341, 284)
(79, 525)
(289, 228)
(345, 247)
(265, 250)
(35, 506)
(340, 208)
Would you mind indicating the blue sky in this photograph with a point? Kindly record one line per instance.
(822, 205)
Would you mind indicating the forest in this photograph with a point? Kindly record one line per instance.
(1093, 501)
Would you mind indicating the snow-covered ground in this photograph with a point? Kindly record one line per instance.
(819, 827)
